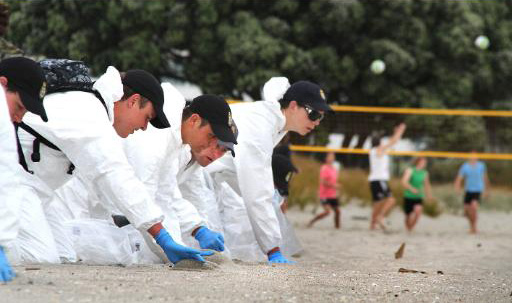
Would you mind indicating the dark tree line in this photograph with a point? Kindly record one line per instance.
(232, 47)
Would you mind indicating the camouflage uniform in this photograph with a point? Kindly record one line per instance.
(8, 50)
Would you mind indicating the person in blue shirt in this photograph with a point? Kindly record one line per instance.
(476, 185)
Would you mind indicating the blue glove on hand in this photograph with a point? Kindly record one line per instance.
(277, 257)
(6, 272)
(209, 239)
(176, 252)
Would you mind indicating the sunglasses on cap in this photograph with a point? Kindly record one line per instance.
(289, 176)
(313, 114)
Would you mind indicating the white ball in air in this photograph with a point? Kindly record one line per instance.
(378, 66)
(482, 42)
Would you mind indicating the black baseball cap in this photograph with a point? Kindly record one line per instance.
(27, 77)
(230, 145)
(217, 112)
(307, 93)
(145, 84)
(282, 170)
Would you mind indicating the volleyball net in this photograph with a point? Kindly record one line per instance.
(436, 133)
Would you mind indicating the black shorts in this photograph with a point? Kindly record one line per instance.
(470, 196)
(333, 202)
(409, 204)
(380, 190)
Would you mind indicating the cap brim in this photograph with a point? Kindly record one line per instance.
(322, 106)
(33, 105)
(228, 145)
(160, 121)
(223, 133)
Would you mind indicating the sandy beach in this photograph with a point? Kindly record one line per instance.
(347, 265)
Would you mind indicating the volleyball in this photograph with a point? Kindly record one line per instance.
(482, 42)
(378, 67)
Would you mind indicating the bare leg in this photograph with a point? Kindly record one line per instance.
(377, 208)
(321, 215)
(473, 216)
(408, 218)
(389, 203)
(414, 216)
(337, 215)
(385, 207)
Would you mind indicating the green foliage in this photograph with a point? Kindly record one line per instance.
(127, 34)
(354, 185)
(444, 170)
(232, 47)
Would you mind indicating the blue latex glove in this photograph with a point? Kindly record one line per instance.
(277, 257)
(176, 252)
(6, 272)
(209, 239)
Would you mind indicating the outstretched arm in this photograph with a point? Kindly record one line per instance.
(397, 135)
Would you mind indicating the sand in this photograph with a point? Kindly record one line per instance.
(347, 265)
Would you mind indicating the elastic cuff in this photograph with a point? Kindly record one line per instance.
(155, 229)
(273, 250)
(197, 230)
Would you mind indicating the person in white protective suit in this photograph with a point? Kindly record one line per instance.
(206, 132)
(22, 88)
(159, 158)
(298, 108)
(81, 128)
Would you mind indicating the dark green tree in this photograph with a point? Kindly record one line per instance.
(231, 47)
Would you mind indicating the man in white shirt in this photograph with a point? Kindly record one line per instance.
(383, 199)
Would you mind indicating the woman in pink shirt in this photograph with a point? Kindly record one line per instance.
(328, 191)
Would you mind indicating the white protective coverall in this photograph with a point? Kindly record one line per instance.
(19, 203)
(239, 236)
(10, 171)
(290, 244)
(249, 174)
(81, 127)
(154, 156)
(191, 184)
(158, 156)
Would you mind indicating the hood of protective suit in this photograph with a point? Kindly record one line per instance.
(110, 87)
(260, 121)
(173, 105)
(275, 88)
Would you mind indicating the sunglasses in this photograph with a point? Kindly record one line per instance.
(313, 114)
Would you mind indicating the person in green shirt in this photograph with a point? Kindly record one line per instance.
(416, 183)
